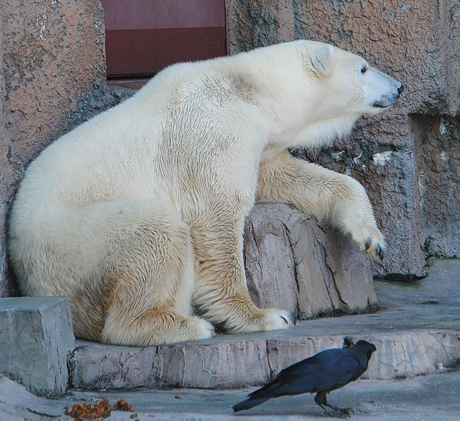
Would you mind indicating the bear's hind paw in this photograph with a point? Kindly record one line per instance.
(273, 319)
(201, 328)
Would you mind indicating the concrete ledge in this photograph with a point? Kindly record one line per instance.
(418, 333)
(246, 360)
(35, 340)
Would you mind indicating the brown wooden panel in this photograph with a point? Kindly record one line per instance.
(144, 36)
(143, 52)
(157, 14)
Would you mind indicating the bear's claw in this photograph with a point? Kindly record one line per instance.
(368, 244)
(288, 320)
(380, 252)
(369, 240)
(376, 251)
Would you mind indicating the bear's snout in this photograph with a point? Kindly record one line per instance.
(388, 100)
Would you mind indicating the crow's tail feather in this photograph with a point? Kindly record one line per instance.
(248, 404)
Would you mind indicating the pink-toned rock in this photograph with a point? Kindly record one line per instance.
(396, 156)
(52, 78)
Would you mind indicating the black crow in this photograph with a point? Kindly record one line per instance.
(329, 370)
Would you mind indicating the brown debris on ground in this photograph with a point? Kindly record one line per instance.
(122, 405)
(97, 410)
(87, 411)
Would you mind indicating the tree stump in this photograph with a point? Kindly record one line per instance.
(297, 265)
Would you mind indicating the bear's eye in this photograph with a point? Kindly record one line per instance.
(364, 69)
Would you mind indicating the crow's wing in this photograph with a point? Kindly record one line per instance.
(326, 371)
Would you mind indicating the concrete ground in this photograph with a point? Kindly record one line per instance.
(432, 397)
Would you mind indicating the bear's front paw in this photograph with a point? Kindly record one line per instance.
(370, 241)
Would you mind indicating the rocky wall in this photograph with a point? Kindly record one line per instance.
(52, 77)
(437, 158)
(407, 158)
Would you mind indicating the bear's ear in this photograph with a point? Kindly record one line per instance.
(320, 61)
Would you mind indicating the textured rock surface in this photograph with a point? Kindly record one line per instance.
(294, 264)
(35, 340)
(407, 158)
(437, 154)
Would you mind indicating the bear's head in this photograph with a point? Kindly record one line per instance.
(348, 81)
(320, 91)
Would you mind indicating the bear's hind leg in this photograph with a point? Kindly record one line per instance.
(156, 326)
(221, 292)
(150, 266)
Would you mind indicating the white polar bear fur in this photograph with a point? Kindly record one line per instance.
(137, 215)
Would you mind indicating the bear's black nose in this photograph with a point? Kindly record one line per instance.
(401, 89)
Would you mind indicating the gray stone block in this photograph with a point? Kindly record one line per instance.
(35, 340)
(399, 354)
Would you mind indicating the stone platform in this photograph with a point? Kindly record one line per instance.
(416, 332)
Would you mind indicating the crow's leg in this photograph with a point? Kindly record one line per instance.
(333, 411)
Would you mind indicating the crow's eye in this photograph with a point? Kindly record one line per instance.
(364, 69)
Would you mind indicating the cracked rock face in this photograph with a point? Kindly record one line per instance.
(294, 264)
(232, 361)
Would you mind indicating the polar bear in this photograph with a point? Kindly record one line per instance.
(137, 215)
